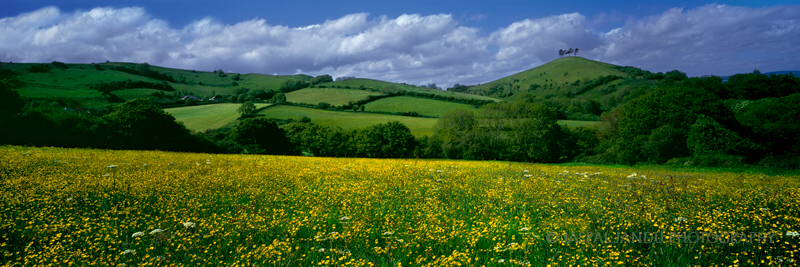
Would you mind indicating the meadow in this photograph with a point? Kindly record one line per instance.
(349, 120)
(205, 117)
(77, 207)
(333, 96)
(427, 107)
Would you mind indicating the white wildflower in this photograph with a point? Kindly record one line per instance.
(321, 250)
(764, 209)
(137, 234)
(156, 231)
(501, 260)
(345, 218)
(388, 233)
(128, 251)
(681, 219)
(111, 166)
(122, 265)
(524, 229)
(792, 234)
(525, 170)
(189, 224)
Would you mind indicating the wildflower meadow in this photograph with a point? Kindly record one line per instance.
(84, 207)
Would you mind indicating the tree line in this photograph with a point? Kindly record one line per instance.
(571, 51)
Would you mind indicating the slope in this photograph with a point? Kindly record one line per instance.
(551, 79)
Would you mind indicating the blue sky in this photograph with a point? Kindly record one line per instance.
(419, 42)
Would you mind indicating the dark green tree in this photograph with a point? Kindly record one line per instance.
(247, 109)
(260, 136)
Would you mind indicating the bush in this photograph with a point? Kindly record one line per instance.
(787, 162)
(717, 160)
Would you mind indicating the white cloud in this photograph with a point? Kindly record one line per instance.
(411, 48)
(712, 39)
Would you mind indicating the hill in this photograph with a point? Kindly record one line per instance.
(551, 79)
(78, 81)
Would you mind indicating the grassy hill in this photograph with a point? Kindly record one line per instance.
(551, 78)
(333, 96)
(75, 81)
(426, 107)
(205, 117)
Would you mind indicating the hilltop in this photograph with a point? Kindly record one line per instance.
(555, 78)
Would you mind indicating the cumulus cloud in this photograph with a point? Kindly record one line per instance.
(411, 48)
(712, 39)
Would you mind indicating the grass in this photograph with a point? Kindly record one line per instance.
(378, 85)
(349, 120)
(333, 96)
(559, 73)
(204, 117)
(423, 106)
(83, 207)
(75, 81)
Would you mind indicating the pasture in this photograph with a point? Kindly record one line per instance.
(204, 117)
(333, 96)
(78, 207)
(423, 106)
(349, 120)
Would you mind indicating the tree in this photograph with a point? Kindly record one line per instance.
(569, 51)
(576, 51)
(138, 124)
(247, 108)
(561, 52)
(451, 127)
(279, 98)
(260, 136)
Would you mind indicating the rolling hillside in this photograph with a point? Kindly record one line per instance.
(550, 79)
(75, 80)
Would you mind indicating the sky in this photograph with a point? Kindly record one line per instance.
(416, 42)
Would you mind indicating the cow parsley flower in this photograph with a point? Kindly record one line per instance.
(128, 251)
(137, 234)
(156, 231)
(681, 219)
(188, 224)
(792, 233)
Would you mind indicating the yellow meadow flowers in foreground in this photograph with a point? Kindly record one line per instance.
(65, 207)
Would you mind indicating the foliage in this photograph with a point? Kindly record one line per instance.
(111, 86)
(247, 108)
(260, 136)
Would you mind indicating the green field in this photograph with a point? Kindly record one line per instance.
(90, 207)
(75, 81)
(559, 74)
(349, 120)
(378, 85)
(205, 117)
(423, 106)
(333, 96)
